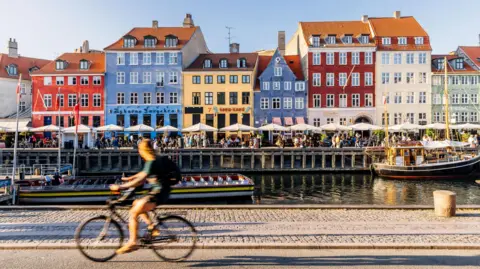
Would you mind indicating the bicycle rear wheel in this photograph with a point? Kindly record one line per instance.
(177, 239)
(98, 238)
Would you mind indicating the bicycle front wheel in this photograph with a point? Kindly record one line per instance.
(98, 238)
(177, 239)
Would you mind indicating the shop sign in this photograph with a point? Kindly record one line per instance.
(145, 110)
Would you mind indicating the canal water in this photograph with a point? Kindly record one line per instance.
(357, 189)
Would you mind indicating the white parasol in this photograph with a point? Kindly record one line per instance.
(82, 129)
(139, 128)
(365, 127)
(238, 128)
(167, 129)
(334, 127)
(304, 127)
(199, 127)
(110, 128)
(273, 127)
(47, 128)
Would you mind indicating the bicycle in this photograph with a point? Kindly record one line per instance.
(102, 233)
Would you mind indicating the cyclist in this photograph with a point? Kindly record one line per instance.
(167, 174)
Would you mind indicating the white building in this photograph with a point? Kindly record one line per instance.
(403, 70)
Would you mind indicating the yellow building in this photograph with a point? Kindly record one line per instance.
(218, 89)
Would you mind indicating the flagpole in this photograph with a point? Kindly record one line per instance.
(12, 187)
(59, 132)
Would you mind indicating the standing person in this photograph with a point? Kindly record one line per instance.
(56, 179)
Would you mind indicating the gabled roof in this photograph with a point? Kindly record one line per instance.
(97, 64)
(293, 62)
(473, 52)
(184, 34)
(338, 28)
(450, 70)
(23, 65)
(401, 27)
(232, 58)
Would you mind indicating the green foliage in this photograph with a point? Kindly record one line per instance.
(430, 133)
(465, 137)
(380, 134)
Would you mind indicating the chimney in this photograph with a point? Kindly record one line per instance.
(155, 24)
(396, 14)
(12, 48)
(365, 18)
(85, 47)
(281, 42)
(188, 21)
(234, 48)
(479, 40)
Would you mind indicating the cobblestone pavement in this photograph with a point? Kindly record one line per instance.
(270, 226)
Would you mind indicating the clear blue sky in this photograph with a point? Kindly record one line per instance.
(47, 28)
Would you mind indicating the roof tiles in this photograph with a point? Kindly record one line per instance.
(338, 28)
(467, 68)
(473, 52)
(96, 59)
(24, 64)
(232, 58)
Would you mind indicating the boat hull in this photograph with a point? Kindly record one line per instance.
(458, 169)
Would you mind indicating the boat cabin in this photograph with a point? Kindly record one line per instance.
(406, 156)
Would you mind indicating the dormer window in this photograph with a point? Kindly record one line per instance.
(207, 63)
(402, 41)
(149, 41)
(129, 41)
(331, 39)
(241, 63)
(440, 64)
(33, 69)
(223, 63)
(171, 41)
(347, 39)
(60, 65)
(364, 39)
(315, 41)
(83, 64)
(12, 69)
(458, 63)
(386, 41)
(419, 40)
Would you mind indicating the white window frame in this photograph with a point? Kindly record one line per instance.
(59, 81)
(173, 77)
(120, 78)
(386, 41)
(133, 77)
(342, 79)
(133, 58)
(342, 58)
(120, 58)
(277, 71)
(299, 86)
(369, 57)
(299, 103)
(422, 97)
(276, 85)
(97, 80)
(330, 100)
(287, 86)
(330, 58)
(410, 58)
(97, 100)
(356, 100)
(385, 78)
(317, 100)
(133, 98)
(160, 98)
(264, 103)
(160, 58)
(84, 100)
(47, 100)
(147, 98)
(72, 100)
(287, 103)
(84, 80)
(402, 41)
(173, 98)
(419, 40)
(72, 80)
(160, 79)
(368, 100)
(47, 81)
(120, 98)
(266, 86)
(147, 58)
(355, 79)
(147, 78)
(410, 78)
(342, 100)
(422, 58)
(317, 58)
(173, 58)
(330, 79)
(410, 98)
(368, 79)
(355, 58)
(317, 79)
(397, 58)
(276, 101)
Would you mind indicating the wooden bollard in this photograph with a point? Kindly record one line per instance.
(445, 203)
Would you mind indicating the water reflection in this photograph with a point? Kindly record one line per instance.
(358, 189)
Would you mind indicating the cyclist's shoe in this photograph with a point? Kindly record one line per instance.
(127, 249)
(154, 232)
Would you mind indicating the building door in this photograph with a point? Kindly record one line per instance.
(47, 120)
(209, 121)
(147, 119)
(121, 120)
(133, 119)
(84, 120)
(246, 119)
(233, 119)
(220, 121)
(195, 119)
(174, 120)
(160, 120)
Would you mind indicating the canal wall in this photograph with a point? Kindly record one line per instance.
(206, 160)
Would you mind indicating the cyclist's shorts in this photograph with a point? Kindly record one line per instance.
(159, 198)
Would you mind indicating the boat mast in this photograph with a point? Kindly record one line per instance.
(447, 116)
(386, 117)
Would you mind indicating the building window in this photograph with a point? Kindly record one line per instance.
(221, 79)
(276, 85)
(160, 79)
(97, 100)
(59, 80)
(72, 80)
(465, 80)
(355, 58)
(120, 77)
(160, 58)
(422, 58)
(436, 116)
(437, 99)
(233, 79)
(316, 41)
(368, 100)
(422, 118)
(343, 121)
(133, 77)
(410, 58)
(368, 58)
(459, 63)
(473, 116)
(410, 78)
(397, 58)
(233, 98)
(316, 122)
(147, 98)
(97, 80)
(171, 41)
(120, 58)
(385, 117)
(397, 118)
(343, 58)
(330, 120)
(220, 98)
(386, 98)
(207, 63)
(397, 98)
(385, 78)
(317, 100)
(316, 80)
(84, 100)
(83, 80)
(410, 117)
(60, 100)
(266, 85)
(316, 58)
(355, 79)
(133, 58)
(242, 63)
(342, 100)
(474, 98)
(276, 103)
(173, 59)
(22, 106)
(120, 98)
(402, 41)
(149, 43)
(397, 77)
(364, 39)
(422, 98)
(277, 71)
(83, 64)
(331, 39)
(464, 98)
(133, 98)
(287, 103)
(330, 79)
(347, 39)
(287, 85)
(264, 103)
(299, 103)
(419, 40)
(330, 58)
(386, 41)
(196, 79)
(474, 80)
(173, 78)
(330, 100)
(422, 77)
(196, 98)
(299, 86)
(160, 98)
(173, 98)
(47, 100)
(12, 70)
(209, 98)
(368, 79)
(147, 77)
(223, 63)
(385, 58)
(410, 97)
(128, 42)
(72, 100)
(208, 79)
(342, 79)
(455, 98)
(245, 79)
(355, 100)
(60, 65)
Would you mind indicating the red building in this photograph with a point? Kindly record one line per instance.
(71, 78)
(340, 64)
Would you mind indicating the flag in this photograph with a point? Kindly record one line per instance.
(76, 110)
(43, 100)
(19, 88)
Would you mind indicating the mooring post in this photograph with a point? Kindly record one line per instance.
(221, 160)
(201, 160)
(343, 159)
(87, 161)
(334, 159)
(211, 160)
(324, 159)
(313, 160)
(272, 161)
(109, 160)
(241, 159)
(263, 159)
(282, 159)
(353, 160)
(292, 160)
(364, 160)
(252, 161)
(304, 159)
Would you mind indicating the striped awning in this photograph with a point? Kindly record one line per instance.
(288, 121)
(300, 120)
(277, 120)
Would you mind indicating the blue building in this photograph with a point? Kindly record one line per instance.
(280, 92)
(143, 78)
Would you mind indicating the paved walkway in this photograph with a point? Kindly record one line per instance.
(271, 228)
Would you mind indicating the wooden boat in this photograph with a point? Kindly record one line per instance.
(90, 190)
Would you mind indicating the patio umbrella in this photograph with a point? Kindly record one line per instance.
(238, 128)
(304, 127)
(272, 127)
(110, 128)
(82, 129)
(139, 128)
(48, 128)
(20, 129)
(365, 127)
(167, 129)
(435, 126)
(334, 127)
(404, 127)
(466, 126)
(199, 127)
(2, 129)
